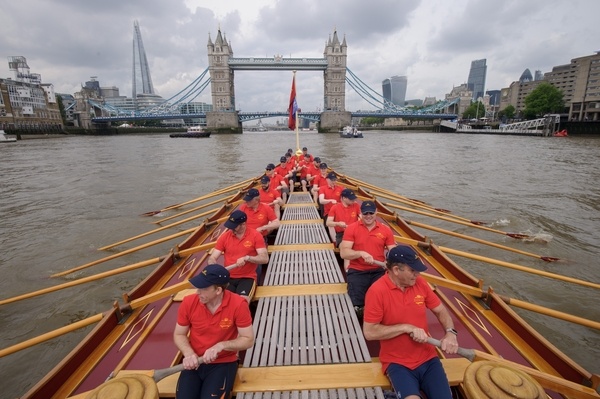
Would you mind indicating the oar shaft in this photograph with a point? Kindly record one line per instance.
(196, 208)
(163, 373)
(50, 335)
(509, 265)
(466, 353)
(123, 253)
(469, 238)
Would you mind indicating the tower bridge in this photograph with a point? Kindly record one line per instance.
(220, 77)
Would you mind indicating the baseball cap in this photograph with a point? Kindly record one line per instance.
(235, 219)
(270, 166)
(407, 256)
(283, 159)
(331, 176)
(322, 165)
(213, 274)
(251, 194)
(265, 180)
(368, 206)
(347, 193)
(317, 159)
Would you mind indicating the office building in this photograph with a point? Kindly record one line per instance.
(476, 80)
(394, 91)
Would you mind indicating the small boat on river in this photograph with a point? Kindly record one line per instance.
(309, 339)
(5, 139)
(561, 133)
(193, 132)
(350, 132)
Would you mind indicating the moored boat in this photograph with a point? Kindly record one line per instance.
(561, 133)
(136, 336)
(5, 139)
(193, 132)
(350, 132)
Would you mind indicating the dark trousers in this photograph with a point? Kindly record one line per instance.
(209, 380)
(359, 282)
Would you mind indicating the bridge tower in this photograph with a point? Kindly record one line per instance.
(336, 54)
(222, 85)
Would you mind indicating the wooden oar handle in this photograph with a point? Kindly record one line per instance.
(466, 353)
(163, 373)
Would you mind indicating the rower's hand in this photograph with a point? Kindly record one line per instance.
(211, 353)
(367, 257)
(418, 335)
(449, 343)
(190, 362)
(241, 261)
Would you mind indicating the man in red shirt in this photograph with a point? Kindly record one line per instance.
(278, 182)
(270, 196)
(364, 242)
(341, 215)
(395, 314)
(304, 167)
(214, 324)
(260, 216)
(318, 181)
(245, 249)
(329, 194)
(287, 171)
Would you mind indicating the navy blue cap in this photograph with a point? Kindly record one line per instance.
(251, 194)
(283, 159)
(368, 206)
(265, 180)
(331, 176)
(270, 166)
(317, 159)
(347, 193)
(235, 219)
(214, 274)
(407, 256)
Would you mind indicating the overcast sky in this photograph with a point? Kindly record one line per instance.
(431, 42)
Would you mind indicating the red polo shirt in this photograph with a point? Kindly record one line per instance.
(270, 195)
(207, 329)
(330, 193)
(234, 248)
(388, 305)
(374, 242)
(340, 213)
(259, 217)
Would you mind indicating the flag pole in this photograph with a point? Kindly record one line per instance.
(298, 150)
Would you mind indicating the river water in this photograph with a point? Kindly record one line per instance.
(62, 198)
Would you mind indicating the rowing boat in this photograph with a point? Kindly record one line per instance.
(307, 338)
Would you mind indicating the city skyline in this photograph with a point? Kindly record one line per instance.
(433, 43)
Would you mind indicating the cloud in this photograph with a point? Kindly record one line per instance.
(431, 42)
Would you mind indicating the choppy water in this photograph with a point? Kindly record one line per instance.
(61, 199)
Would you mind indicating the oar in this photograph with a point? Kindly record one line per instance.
(109, 273)
(157, 230)
(480, 241)
(213, 194)
(92, 319)
(468, 224)
(123, 253)
(509, 265)
(477, 292)
(466, 353)
(196, 208)
(163, 373)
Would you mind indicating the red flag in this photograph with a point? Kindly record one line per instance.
(293, 108)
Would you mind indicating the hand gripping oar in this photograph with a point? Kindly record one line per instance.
(163, 373)
(466, 353)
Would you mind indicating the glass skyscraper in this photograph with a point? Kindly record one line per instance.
(476, 81)
(394, 90)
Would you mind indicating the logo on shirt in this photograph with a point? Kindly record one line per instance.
(247, 244)
(226, 323)
(419, 299)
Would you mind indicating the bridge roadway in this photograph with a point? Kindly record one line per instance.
(248, 116)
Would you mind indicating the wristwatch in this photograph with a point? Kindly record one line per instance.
(452, 330)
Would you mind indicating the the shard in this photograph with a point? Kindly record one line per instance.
(142, 82)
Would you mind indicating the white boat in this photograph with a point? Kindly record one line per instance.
(5, 139)
(350, 132)
(193, 131)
